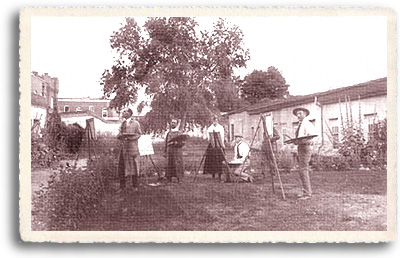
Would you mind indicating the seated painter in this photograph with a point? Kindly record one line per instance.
(241, 162)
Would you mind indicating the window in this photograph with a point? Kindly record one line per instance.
(334, 130)
(66, 108)
(104, 112)
(232, 132)
(369, 121)
(78, 109)
(91, 108)
(43, 89)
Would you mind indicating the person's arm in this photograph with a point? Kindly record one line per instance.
(179, 144)
(275, 135)
(134, 130)
(119, 135)
(166, 142)
(306, 129)
(222, 132)
(244, 151)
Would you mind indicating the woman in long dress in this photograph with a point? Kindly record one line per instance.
(215, 151)
(173, 150)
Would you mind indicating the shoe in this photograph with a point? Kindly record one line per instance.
(304, 197)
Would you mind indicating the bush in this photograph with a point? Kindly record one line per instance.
(70, 196)
(286, 160)
(58, 140)
(375, 152)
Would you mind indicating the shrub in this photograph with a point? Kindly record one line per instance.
(375, 152)
(286, 160)
(70, 196)
(58, 140)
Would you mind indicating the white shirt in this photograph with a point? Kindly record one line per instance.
(242, 150)
(306, 128)
(218, 129)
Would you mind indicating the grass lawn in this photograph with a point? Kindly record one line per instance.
(342, 201)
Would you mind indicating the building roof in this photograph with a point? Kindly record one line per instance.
(83, 100)
(87, 113)
(359, 91)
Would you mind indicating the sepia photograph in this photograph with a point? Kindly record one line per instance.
(207, 125)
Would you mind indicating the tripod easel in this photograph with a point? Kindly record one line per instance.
(90, 136)
(269, 151)
(272, 157)
(215, 142)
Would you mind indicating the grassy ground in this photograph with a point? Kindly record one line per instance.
(343, 200)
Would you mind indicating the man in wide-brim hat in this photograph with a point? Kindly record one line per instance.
(305, 110)
(305, 128)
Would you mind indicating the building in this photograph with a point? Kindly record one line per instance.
(102, 126)
(365, 103)
(44, 95)
(99, 107)
(78, 110)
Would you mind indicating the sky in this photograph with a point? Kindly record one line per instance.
(313, 54)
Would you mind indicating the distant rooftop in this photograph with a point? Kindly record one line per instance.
(359, 91)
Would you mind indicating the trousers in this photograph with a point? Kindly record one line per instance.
(304, 157)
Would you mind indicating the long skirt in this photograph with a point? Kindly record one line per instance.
(213, 161)
(174, 163)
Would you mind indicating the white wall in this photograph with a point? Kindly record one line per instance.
(39, 113)
(286, 122)
(100, 126)
(368, 107)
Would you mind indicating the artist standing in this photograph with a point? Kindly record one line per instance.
(173, 151)
(129, 133)
(216, 149)
(305, 128)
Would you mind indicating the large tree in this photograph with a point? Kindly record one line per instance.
(261, 85)
(182, 69)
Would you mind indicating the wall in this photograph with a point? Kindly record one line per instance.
(45, 90)
(39, 113)
(369, 107)
(43, 98)
(84, 104)
(286, 122)
(241, 126)
(100, 126)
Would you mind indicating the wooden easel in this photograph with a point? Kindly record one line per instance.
(90, 136)
(273, 158)
(215, 142)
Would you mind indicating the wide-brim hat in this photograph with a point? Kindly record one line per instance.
(302, 109)
(238, 135)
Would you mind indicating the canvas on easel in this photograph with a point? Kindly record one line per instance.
(269, 123)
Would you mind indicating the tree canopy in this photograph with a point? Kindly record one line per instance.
(189, 74)
(260, 85)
